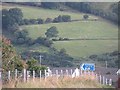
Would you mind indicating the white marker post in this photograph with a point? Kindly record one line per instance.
(28, 76)
(45, 75)
(62, 73)
(106, 81)
(9, 75)
(40, 75)
(57, 74)
(71, 71)
(110, 82)
(24, 75)
(100, 79)
(96, 76)
(15, 73)
(66, 72)
(33, 75)
(103, 80)
(0, 76)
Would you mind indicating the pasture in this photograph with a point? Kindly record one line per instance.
(79, 29)
(100, 29)
(34, 13)
(84, 48)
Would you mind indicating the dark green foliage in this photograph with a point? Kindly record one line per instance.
(85, 16)
(33, 65)
(66, 18)
(44, 41)
(51, 32)
(53, 58)
(21, 37)
(33, 21)
(48, 20)
(62, 18)
(40, 21)
(112, 58)
(87, 7)
(50, 5)
(10, 17)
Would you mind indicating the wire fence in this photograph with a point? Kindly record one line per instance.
(25, 75)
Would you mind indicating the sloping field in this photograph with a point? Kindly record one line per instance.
(80, 29)
(33, 12)
(100, 29)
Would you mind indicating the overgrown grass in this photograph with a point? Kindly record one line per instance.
(61, 82)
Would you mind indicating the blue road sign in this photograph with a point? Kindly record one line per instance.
(88, 67)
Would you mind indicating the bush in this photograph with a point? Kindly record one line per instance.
(66, 18)
(52, 32)
(66, 38)
(48, 20)
(44, 41)
(20, 41)
(40, 21)
(85, 16)
(33, 21)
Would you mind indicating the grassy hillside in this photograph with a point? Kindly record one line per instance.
(83, 48)
(79, 29)
(32, 12)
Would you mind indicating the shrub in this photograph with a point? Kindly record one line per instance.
(66, 18)
(48, 20)
(40, 21)
(85, 16)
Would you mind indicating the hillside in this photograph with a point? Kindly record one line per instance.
(99, 29)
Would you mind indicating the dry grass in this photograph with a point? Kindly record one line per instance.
(53, 82)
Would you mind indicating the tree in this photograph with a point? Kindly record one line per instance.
(85, 16)
(66, 18)
(10, 59)
(51, 32)
(40, 21)
(50, 5)
(48, 20)
(44, 41)
(10, 17)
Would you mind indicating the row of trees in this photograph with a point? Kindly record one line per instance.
(21, 37)
(53, 58)
(87, 7)
(60, 18)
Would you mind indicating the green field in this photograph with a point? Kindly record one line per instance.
(32, 12)
(76, 30)
(83, 48)
(80, 29)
